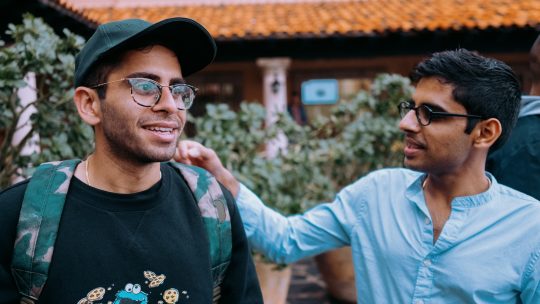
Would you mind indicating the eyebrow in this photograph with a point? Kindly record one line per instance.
(436, 108)
(155, 77)
(433, 107)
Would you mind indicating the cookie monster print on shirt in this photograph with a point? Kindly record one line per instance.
(137, 293)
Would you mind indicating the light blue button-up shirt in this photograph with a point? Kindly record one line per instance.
(487, 252)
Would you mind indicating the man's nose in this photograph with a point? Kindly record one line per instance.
(166, 102)
(409, 122)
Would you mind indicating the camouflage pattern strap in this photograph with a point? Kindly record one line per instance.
(38, 226)
(216, 218)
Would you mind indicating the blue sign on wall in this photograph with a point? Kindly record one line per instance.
(320, 91)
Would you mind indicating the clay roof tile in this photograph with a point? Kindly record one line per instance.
(297, 18)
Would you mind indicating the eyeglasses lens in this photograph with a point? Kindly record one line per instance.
(422, 112)
(404, 108)
(424, 115)
(144, 92)
(183, 95)
(147, 93)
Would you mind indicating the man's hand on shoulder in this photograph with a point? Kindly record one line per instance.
(193, 153)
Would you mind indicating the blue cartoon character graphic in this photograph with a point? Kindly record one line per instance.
(131, 294)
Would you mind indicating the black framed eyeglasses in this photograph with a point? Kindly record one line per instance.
(424, 114)
(147, 92)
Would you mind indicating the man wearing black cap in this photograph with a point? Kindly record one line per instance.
(129, 228)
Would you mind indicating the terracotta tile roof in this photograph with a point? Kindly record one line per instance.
(290, 19)
(132, 3)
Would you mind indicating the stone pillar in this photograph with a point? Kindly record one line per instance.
(274, 96)
(27, 95)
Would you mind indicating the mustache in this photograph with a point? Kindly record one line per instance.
(410, 140)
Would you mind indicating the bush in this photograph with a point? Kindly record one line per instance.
(62, 134)
(359, 136)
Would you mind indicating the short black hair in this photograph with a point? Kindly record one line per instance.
(484, 86)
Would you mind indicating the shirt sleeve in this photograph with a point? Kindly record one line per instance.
(288, 239)
(530, 292)
(240, 284)
(10, 205)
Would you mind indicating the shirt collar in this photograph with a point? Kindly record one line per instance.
(415, 193)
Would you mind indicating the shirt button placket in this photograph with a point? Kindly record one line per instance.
(424, 281)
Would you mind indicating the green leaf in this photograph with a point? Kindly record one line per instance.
(62, 134)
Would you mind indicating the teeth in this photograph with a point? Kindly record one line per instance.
(160, 129)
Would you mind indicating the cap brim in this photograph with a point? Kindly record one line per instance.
(193, 45)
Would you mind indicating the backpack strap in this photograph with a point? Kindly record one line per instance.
(215, 216)
(38, 226)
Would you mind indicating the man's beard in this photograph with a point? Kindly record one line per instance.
(124, 143)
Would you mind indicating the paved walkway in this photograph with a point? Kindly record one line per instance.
(307, 286)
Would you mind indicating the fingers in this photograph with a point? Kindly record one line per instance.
(193, 153)
(182, 149)
(187, 151)
(180, 155)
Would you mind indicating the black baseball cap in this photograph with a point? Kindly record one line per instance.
(193, 45)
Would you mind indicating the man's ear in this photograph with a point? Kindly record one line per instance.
(88, 106)
(487, 132)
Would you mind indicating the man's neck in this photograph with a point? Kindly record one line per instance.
(535, 89)
(110, 174)
(447, 187)
(440, 191)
